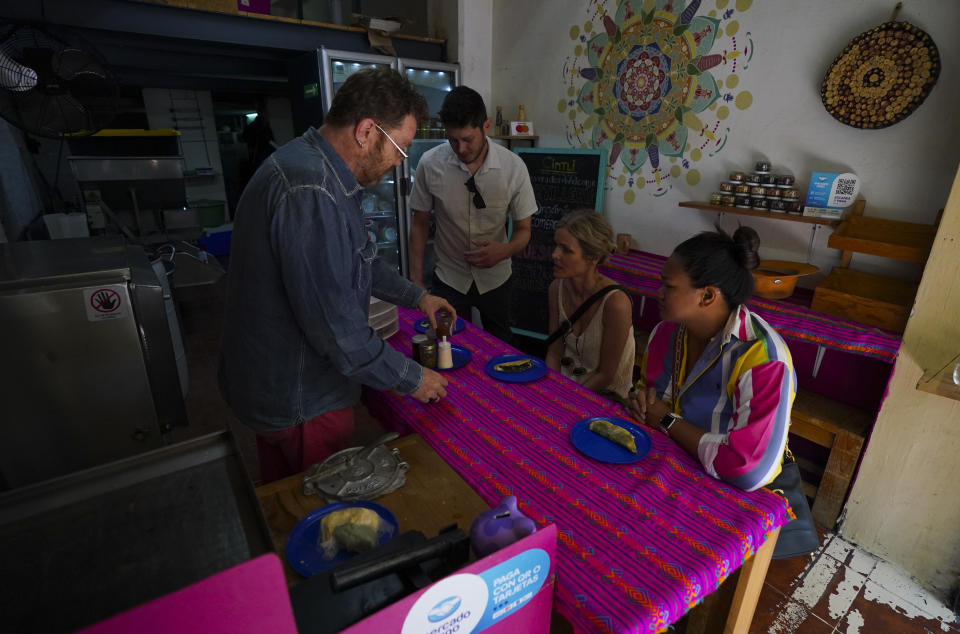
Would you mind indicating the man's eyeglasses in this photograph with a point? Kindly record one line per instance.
(477, 198)
(390, 138)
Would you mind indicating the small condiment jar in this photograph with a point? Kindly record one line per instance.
(777, 205)
(793, 206)
(762, 167)
(444, 324)
(752, 179)
(729, 200)
(444, 354)
(791, 194)
(774, 192)
(726, 187)
(785, 180)
(743, 201)
(415, 342)
(736, 177)
(759, 202)
(428, 354)
(743, 188)
(716, 198)
(758, 190)
(768, 180)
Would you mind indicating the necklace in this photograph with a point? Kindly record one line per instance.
(576, 360)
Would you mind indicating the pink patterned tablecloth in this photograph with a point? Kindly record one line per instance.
(639, 271)
(639, 544)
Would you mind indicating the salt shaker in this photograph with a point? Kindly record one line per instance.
(444, 354)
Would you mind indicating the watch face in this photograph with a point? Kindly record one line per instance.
(667, 421)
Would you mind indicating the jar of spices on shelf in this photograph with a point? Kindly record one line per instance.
(785, 180)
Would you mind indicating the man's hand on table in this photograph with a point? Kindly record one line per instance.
(430, 304)
(432, 388)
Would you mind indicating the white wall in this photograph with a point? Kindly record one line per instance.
(474, 45)
(906, 169)
(904, 504)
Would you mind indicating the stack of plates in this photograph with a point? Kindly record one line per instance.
(383, 318)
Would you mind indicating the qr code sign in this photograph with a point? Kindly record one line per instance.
(846, 187)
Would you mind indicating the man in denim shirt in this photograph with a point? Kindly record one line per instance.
(296, 345)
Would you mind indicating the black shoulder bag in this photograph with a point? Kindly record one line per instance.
(798, 537)
(567, 324)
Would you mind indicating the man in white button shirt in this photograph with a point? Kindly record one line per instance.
(473, 187)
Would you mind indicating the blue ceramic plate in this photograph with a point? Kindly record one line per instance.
(538, 370)
(599, 448)
(461, 357)
(302, 551)
(421, 325)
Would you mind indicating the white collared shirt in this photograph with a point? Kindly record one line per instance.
(439, 185)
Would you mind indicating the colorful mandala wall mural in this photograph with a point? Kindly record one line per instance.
(653, 82)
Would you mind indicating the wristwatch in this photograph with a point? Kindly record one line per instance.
(667, 422)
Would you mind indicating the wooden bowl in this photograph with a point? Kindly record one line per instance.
(776, 279)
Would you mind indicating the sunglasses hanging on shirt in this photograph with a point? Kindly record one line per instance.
(477, 198)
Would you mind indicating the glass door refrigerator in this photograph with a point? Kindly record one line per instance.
(385, 205)
(382, 204)
(433, 80)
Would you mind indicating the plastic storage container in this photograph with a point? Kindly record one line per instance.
(209, 212)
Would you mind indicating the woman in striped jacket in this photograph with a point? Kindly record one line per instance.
(717, 379)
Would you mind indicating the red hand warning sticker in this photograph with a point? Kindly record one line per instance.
(106, 302)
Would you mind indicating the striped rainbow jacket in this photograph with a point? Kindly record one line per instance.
(739, 392)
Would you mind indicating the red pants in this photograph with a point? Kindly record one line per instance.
(289, 451)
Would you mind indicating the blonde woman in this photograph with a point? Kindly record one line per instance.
(598, 349)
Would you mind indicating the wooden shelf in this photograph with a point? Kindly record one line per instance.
(762, 214)
(519, 137)
(908, 241)
(940, 381)
(866, 298)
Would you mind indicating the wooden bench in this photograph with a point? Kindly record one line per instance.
(842, 430)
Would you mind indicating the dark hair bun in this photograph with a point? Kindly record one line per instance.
(747, 243)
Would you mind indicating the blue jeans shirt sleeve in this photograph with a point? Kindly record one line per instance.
(393, 288)
(327, 268)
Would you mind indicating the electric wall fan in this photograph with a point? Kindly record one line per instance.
(52, 86)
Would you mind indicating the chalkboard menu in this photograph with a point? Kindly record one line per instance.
(563, 180)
